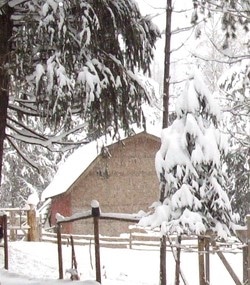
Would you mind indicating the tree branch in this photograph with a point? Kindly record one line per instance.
(37, 135)
(29, 161)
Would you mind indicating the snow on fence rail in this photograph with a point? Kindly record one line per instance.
(130, 240)
(86, 239)
(136, 239)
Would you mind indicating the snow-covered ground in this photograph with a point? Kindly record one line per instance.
(35, 263)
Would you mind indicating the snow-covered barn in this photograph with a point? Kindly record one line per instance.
(120, 175)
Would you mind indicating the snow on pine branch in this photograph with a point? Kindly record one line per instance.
(190, 159)
(71, 58)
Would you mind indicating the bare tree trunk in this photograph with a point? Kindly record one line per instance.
(5, 34)
(166, 79)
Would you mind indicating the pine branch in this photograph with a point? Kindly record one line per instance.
(66, 146)
(36, 135)
(24, 110)
(13, 3)
(241, 142)
(235, 59)
(183, 43)
(182, 11)
(218, 8)
(25, 158)
(185, 29)
(32, 137)
(32, 141)
(29, 111)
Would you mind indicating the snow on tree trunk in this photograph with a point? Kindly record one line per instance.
(190, 159)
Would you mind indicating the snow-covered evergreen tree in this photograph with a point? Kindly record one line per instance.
(71, 61)
(81, 58)
(189, 164)
(16, 188)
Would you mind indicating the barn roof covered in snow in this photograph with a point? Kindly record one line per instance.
(80, 160)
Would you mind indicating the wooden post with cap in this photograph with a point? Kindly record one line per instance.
(4, 235)
(96, 215)
(59, 250)
(32, 222)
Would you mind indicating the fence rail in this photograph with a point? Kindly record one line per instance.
(86, 239)
(135, 239)
(17, 227)
(26, 223)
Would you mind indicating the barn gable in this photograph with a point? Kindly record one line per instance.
(121, 177)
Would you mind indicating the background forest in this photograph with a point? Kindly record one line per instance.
(107, 49)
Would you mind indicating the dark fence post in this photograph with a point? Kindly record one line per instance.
(245, 264)
(201, 260)
(163, 275)
(248, 248)
(130, 239)
(96, 215)
(242, 235)
(5, 236)
(207, 259)
(59, 248)
(178, 261)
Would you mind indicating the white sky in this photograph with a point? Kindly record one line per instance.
(157, 8)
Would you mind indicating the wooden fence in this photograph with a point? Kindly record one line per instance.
(26, 224)
(206, 244)
(134, 239)
(203, 245)
(21, 224)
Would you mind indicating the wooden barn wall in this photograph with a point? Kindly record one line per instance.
(125, 182)
(62, 204)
